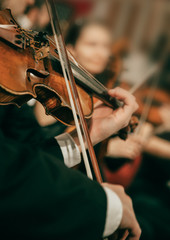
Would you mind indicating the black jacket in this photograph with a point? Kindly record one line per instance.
(40, 198)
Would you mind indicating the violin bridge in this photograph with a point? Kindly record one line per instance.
(41, 53)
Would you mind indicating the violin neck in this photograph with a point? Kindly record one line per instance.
(89, 83)
(110, 101)
(93, 86)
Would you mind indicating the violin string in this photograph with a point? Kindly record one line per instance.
(144, 78)
(148, 104)
(156, 80)
(81, 70)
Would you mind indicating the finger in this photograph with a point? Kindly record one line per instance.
(136, 237)
(135, 232)
(98, 103)
(137, 150)
(124, 235)
(132, 156)
(122, 115)
(124, 96)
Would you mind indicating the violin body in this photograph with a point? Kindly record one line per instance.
(160, 97)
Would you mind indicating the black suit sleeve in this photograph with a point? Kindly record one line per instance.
(40, 198)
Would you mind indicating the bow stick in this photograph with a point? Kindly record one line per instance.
(73, 95)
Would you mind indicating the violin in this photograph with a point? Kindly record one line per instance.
(34, 71)
(160, 97)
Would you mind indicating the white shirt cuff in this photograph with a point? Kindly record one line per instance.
(69, 150)
(114, 212)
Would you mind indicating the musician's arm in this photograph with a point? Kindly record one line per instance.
(119, 210)
(158, 147)
(72, 157)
